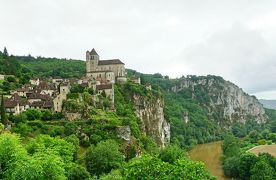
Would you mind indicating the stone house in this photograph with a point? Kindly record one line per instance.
(22, 92)
(64, 89)
(35, 81)
(108, 89)
(136, 80)
(2, 76)
(42, 105)
(16, 105)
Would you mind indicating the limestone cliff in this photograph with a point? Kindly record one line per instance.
(150, 112)
(223, 99)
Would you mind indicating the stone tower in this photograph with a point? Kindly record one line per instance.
(92, 60)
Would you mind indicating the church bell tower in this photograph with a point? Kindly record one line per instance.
(92, 60)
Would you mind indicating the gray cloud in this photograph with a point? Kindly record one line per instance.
(234, 39)
(238, 54)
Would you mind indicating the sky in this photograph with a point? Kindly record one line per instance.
(235, 39)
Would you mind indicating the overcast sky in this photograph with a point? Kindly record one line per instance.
(235, 39)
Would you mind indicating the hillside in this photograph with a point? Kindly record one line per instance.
(199, 109)
(159, 112)
(46, 67)
(270, 104)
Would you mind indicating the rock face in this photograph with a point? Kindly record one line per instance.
(222, 98)
(152, 118)
(124, 132)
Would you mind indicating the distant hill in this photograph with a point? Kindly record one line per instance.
(270, 104)
(46, 67)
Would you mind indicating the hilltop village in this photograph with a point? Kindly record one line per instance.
(51, 93)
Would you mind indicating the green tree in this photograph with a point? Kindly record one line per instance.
(149, 167)
(231, 166)
(262, 171)
(78, 172)
(172, 153)
(247, 161)
(58, 146)
(3, 111)
(33, 114)
(146, 167)
(42, 165)
(5, 52)
(103, 157)
(113, 175)
(11, 150)
(231, 146)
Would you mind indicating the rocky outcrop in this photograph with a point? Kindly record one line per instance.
(124, 132)
(222, 99)
(151, 114)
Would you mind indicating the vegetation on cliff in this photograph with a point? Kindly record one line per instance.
(94, 145)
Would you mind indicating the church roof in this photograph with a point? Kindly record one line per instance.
(93, 52)
(110, 62)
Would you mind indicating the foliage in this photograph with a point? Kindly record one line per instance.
(262, 170)
(46, 67)
(113, 175)
(103, 157)
(45, 143)
(78, 172)
(47, 158)
(33, 114)
(3, 111)
(240, 164)
(125, 108)
(16, 74)
(172, 153)
(77, 89)
(149, 167)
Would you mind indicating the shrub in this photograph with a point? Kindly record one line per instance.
(78, 172)
(103, 157)
(261, 142)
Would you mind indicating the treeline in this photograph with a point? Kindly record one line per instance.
(15, 74)
(53, 67)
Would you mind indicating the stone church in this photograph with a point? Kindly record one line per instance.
(104, 70)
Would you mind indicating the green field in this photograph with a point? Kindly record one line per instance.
(271, 149)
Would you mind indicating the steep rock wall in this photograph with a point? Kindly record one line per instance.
(223, 99)
(152, 118)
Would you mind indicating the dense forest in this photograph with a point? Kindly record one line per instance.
(42, 144)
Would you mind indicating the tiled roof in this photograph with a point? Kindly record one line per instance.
(104, 86)
(110, 62)
(93, 52)
(14, 100)
(42, 104)
(43, 97)
(100, 71)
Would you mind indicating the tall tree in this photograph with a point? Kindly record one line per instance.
(3, 111)
(5, 52)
